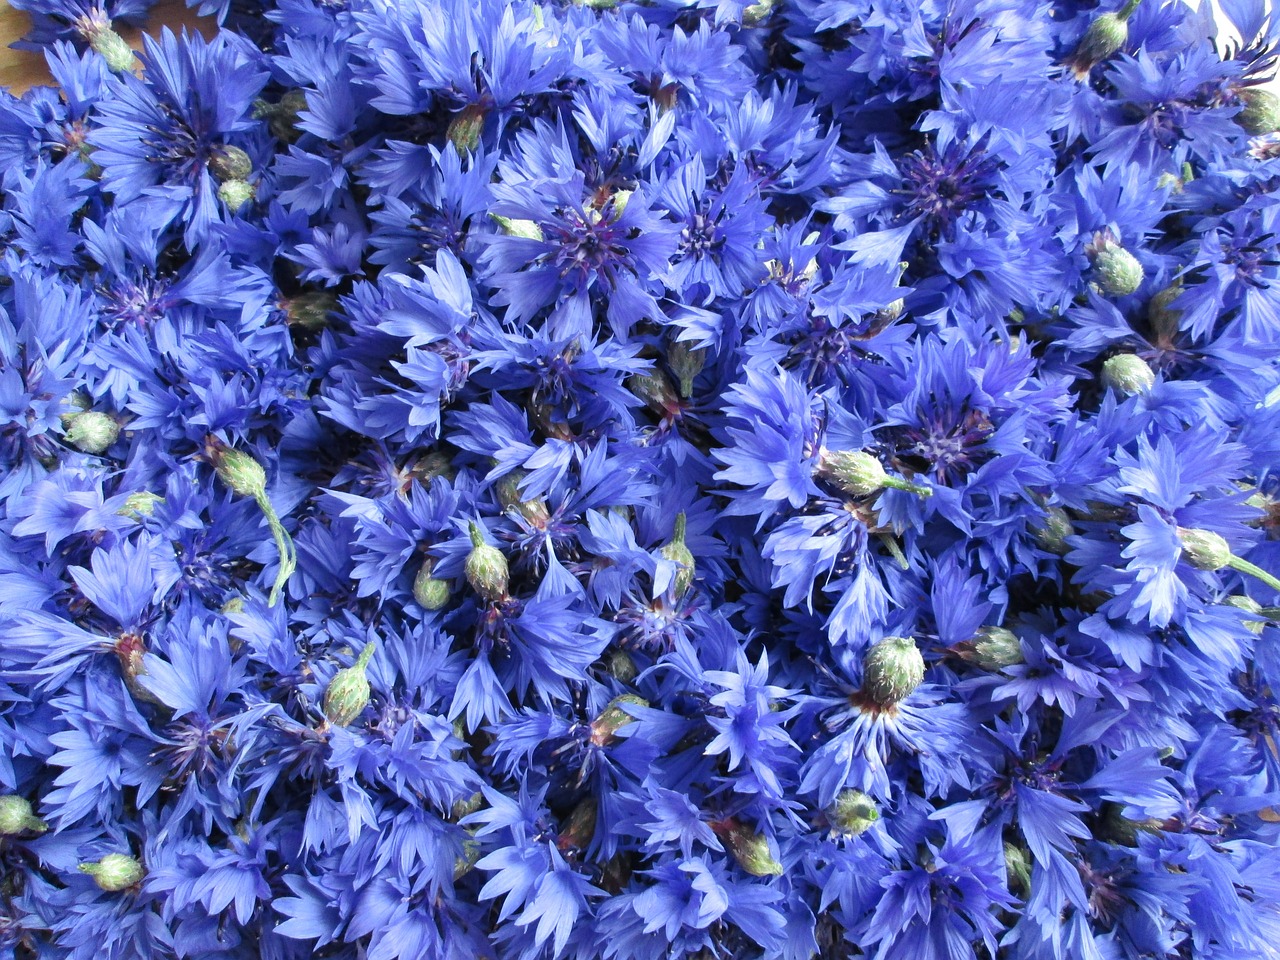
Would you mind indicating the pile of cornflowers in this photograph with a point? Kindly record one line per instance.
(642, 480)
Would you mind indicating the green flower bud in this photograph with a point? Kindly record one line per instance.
(749, 848)
(1118, 271)
(114, 872)
(853, 813)
(465, 128)
(518, 228)
(508, 490)
(678, 553)
(686, 363)
(1053, 531)
(241, 473)
(348, 692)
(464, 808)
(486, 568)
(861, 474)
(97, 30)
(140, 504)
(1165, 321)
(621, 666)
(620, 199)
(995, 648)
(1249, 605)
(892, 670)
(282, 118)
(471, 851)
(1261, 113)
(1018, 868)
(1204, 549)
(230, 163)
(604, 728)
(577, 832)
(1106, 36)
(758, 12)
(656, 390)
(310, 310)
(17, 817)
(1128, 374)
(92, 431)
(429, 592)
(236, 193)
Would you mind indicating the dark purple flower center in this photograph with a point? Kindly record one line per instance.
(941, 187)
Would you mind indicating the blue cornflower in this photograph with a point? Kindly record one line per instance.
(158, 136)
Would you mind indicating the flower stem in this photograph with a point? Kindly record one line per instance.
(897, 484)
(1244, 566)
(284, 546)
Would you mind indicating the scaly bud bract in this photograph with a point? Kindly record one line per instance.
(677, 552)
(1128, 374)
(853, 813)
(348, 692)
(892, 670)
(114, 872)
(17, 817)
(486, 567)
(92, 431)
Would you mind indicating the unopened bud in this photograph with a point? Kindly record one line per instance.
(620, 199)
(486, 567)
(282, 118)
(1128, 374)
(468, 806)
(861, 474)
(230, 163)
(348, 692)
(310, 310)
(471, 851)
(1117, 271)
(1248, 605)
(757, 13)
(686, 363)
(242, 474)
(114, 872)
(526, 229)
(17, 817)
(656, 390)
(621, 666)
(140, 504)
(92, 431)
(1261, 113)
(1106, 36)
(97, 30)
(614, 717)
(1018, 868)
(466, 127)
(995, 648)
(429, 592)
(1164, 319)
(749, 848)
(853, 813)
(508, 490)
(1204, 549)
(1052, 532)
(677, 552)
(892, 670)
(576, 834)
(236, 193)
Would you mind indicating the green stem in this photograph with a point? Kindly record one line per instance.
(895, 551)
(1244, 566)
(915, 488)
(284, 546)
(1127, 10)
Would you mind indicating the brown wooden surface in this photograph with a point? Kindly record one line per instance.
(21, 69)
